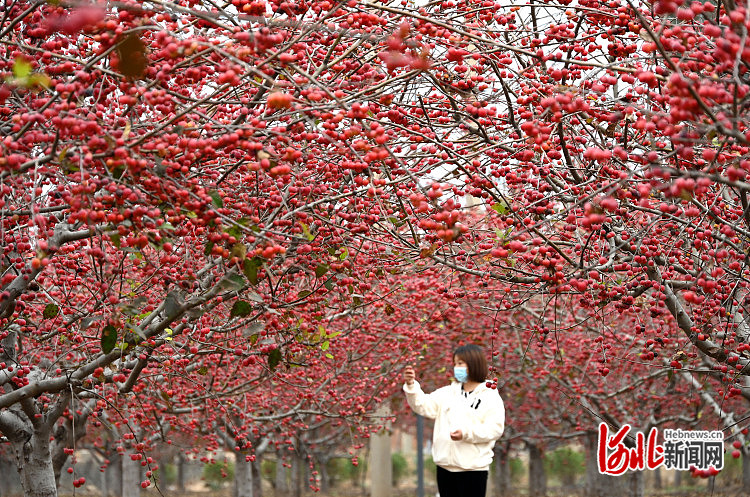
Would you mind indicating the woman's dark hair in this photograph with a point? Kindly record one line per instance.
(476, 363)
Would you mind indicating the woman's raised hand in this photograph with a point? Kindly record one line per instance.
(409, 375)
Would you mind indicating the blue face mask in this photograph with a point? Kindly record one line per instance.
(461, 374)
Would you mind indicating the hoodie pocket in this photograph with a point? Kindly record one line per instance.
(467, 455)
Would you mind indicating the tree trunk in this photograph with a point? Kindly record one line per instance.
(243, 476)
(746, 471)
(537, 475)
(131, 477)
(98, 457)
(380, 466)
(180, 473)
(34, 462)
(256, 467)
(115, 474)
(282, 483)
(657, 479)
(104, 483)
(502, 472)
(597, 484)
(9, 483)
(298, 472)
(635, 482)
(678, 478)
(325, 484)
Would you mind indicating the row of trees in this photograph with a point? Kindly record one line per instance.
(236, 222)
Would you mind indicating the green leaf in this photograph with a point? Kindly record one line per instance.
(235, 231)
(321, 270)
(274, 358)
(239, 250)
(241, 308)
(115, 240)
(203, 371)
(218, 202)
(137, 330)
(501, 208)
(504, 234)
(132, 308)
(233, 282)
(325, 345)
(209, 248)
(63, 155)
(118, 172)
(109, 338)
(21, 68)
(39, 80)
(303, 294)
(329, 284)
(329, 355)
(250, 268)
(50, 311)
(306, 231)
(254, 297)
(344, 254)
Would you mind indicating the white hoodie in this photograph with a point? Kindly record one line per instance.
(480, 415)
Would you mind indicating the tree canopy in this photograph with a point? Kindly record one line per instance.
(214, 214)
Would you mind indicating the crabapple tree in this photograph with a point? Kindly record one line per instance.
(196, 197)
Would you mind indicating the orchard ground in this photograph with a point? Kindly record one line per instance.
(700, 491)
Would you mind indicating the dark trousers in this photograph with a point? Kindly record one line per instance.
(461, 483)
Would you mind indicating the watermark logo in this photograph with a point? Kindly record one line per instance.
(682, 449)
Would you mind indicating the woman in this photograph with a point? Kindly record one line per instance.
(469, 416)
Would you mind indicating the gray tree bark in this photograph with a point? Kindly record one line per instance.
(537, 475)
(657, 479)
(104, 484)
(243, 476)
(746, 471)
(282, 481)
(34, 461)
(131, 477)
(503, 483)
(381, 469)
(298, 475)
(599, 485)
(10, 484)
(28, 435)
(115, 472)
(180, 473)
(635, 483)
(256, 468)
(325, 483)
